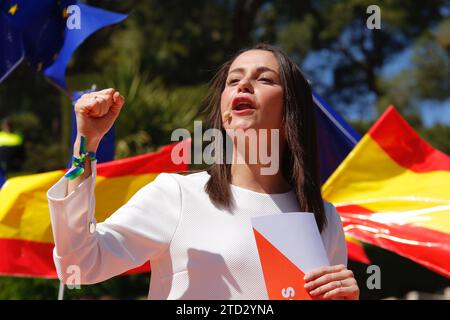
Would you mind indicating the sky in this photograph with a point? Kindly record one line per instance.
(432, 112)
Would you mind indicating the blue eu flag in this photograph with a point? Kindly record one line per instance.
(41, 33)
(11, 46)
(91, 20)
(336, 138)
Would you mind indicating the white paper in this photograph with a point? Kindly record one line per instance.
(294, 234)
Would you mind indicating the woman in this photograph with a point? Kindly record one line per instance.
(195, 229)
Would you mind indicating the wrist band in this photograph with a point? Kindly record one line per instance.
(78, 162)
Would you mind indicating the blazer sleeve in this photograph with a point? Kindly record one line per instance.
(138, 231)
(334, 236)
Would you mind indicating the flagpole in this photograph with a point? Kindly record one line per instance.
(61, 291)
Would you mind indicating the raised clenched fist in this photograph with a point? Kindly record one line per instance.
(96, 112)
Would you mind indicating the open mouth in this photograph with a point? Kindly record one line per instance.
(243, 106)
(242, 103)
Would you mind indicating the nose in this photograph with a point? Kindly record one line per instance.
(245, 86)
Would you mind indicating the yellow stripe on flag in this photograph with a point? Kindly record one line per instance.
(24, 214)
(389, 187)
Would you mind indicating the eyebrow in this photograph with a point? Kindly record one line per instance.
(259, 69)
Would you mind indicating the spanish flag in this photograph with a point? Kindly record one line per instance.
(393, 191)
(26, 240)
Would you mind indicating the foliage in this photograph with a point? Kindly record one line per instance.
(121, 287)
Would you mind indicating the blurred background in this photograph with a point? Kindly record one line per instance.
(162, 56)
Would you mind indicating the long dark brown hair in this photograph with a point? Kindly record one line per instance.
(300, 166)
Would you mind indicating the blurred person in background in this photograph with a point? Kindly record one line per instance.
(12, 152)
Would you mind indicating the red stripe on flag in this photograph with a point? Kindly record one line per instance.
(355, 252)
(26, 258)
(155, 162)
(427, 247)
(35, 259)
(395, 136)
(353, 208)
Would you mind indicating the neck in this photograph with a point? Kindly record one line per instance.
(250, 171)
(250, 177)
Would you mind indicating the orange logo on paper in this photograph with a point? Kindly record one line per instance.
(284, 281)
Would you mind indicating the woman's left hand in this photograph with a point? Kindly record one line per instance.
(335, 282)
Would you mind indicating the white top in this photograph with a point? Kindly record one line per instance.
(196, 251)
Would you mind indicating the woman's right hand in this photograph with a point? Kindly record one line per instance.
(96, 112)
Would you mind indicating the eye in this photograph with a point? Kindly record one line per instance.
(264, 79)
(233, 81)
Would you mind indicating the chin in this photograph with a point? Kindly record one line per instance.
(243, 123)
